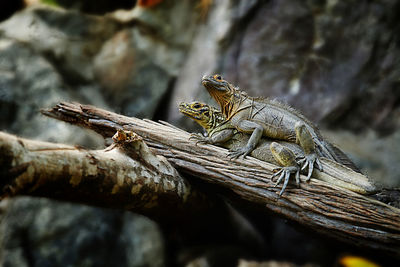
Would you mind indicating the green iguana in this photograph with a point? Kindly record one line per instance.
(263, 117)
(220, 131)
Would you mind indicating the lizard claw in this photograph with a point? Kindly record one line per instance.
(200, 139)
(196, 136)
(285, 174)
(310, 160)
(235, 153)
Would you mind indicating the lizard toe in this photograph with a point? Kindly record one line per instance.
(242, 151)
(287, 176)
(308, 163)
(284, 175)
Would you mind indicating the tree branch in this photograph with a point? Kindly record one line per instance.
(126, 175)
(325, 208)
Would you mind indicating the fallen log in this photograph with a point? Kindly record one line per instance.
(320, 206)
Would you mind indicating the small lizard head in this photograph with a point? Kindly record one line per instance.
(203, 114)
(195, 110)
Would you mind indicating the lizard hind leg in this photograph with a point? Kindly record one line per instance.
(305, 140)
(287, 159)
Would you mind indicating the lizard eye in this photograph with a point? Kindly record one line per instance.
(218, 77)
(196, 105)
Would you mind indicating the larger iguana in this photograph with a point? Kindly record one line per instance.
(221, 132)
(263, 117)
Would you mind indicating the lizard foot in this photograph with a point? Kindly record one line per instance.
(199, 138)
(285, 173)
(309, 160)
(235, 153)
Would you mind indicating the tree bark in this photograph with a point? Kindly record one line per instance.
(323, 207)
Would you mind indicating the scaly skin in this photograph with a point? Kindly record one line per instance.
(279, 153)
(269, 118)
(206, 117)
(211, 119)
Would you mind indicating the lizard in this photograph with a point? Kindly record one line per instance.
(221, 132)
(270, 118)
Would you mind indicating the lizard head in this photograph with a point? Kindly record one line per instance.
(218, 88)
(222, 91)
(216, 83)
(205, 115)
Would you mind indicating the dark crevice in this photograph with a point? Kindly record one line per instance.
(8, 111)
(97, 7)
(7, 10)
(393, 22)
(161, 112)
(26, 247)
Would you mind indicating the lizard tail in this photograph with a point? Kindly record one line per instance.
(337, 155)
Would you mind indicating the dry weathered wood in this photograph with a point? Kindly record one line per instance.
(126, 175)
(323, 207)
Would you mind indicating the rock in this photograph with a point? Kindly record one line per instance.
(329, 59)
(275, 52)
(51, 54)
(138, 65)
(46, 58)
(41, 232)
(129, 78)
(68, 39)
(28, 82)
(132, 57)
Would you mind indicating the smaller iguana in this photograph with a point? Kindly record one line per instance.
(221, 132)
(263, 117)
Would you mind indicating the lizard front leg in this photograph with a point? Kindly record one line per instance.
(256, 131)
(305, 140)
(286, 158)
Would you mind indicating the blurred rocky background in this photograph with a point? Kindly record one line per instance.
(336, 61)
